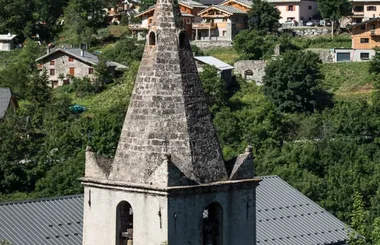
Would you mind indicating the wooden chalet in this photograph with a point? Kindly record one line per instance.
(222, 21)
(189, 10)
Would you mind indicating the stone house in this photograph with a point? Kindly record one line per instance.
(7, 42)
(189, 10)
(7, 101)
(63, 64)
(298, 10)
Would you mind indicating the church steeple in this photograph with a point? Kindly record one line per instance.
(168, 114)
(168, 183)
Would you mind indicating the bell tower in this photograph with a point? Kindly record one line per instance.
(168, 182)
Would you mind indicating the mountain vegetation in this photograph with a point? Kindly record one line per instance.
(299, 123)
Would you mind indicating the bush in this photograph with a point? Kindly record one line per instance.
(85, 86)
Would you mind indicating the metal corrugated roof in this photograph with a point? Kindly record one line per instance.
(44, 221)
(284, 217)
(5, 100)
(75, 52)
(210, 60)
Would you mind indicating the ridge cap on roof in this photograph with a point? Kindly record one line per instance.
(42, 199)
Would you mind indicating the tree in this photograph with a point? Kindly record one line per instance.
(264, 17)
(39, 92)
(375, 234)
(334, 9)
(214, 87)
(293, 82)
(145, 4)
(374, 64)
(253, 45)
(14, 15)
(359, 218)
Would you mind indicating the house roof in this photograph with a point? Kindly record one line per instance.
(284, 217)
(210, 60)
(210, 2)
(227, 9)
(284, 1)
(7, 37)
(43, 221)
(189, 3)
(247, 3)
(364, 22)
(75, 52)
(87, 57)
(5, 100)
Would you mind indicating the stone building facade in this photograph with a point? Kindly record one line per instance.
(168, 182)
(64, 64)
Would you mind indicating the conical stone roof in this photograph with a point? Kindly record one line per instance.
(168, 113)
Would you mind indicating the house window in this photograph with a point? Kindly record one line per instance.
(371, 8)
(290, 8)
(362, 27)
(212, 231)
(310, 7)
(364, 40)
(52, 62)
(364, 56)
(72, 71)
(90, 70)
(358, 9)
(124, 223)
(52, 72)
(188, 21)
(224, 33)
(71, 59)
(54, 84)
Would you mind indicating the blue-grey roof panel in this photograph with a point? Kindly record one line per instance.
(284, 217)
(44, 221)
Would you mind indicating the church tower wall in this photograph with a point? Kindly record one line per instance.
(101, 216)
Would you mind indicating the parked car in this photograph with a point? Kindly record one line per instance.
(325, 22)
(290, 23)
(310, 23)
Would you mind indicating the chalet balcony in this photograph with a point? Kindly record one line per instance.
(375, 33)
(137, 27)
(204, 26)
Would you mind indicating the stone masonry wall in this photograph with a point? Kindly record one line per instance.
(211, 44)
(326, 55)
(256, 66)
(309, 31)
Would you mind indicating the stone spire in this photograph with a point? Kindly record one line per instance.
(168, 114)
